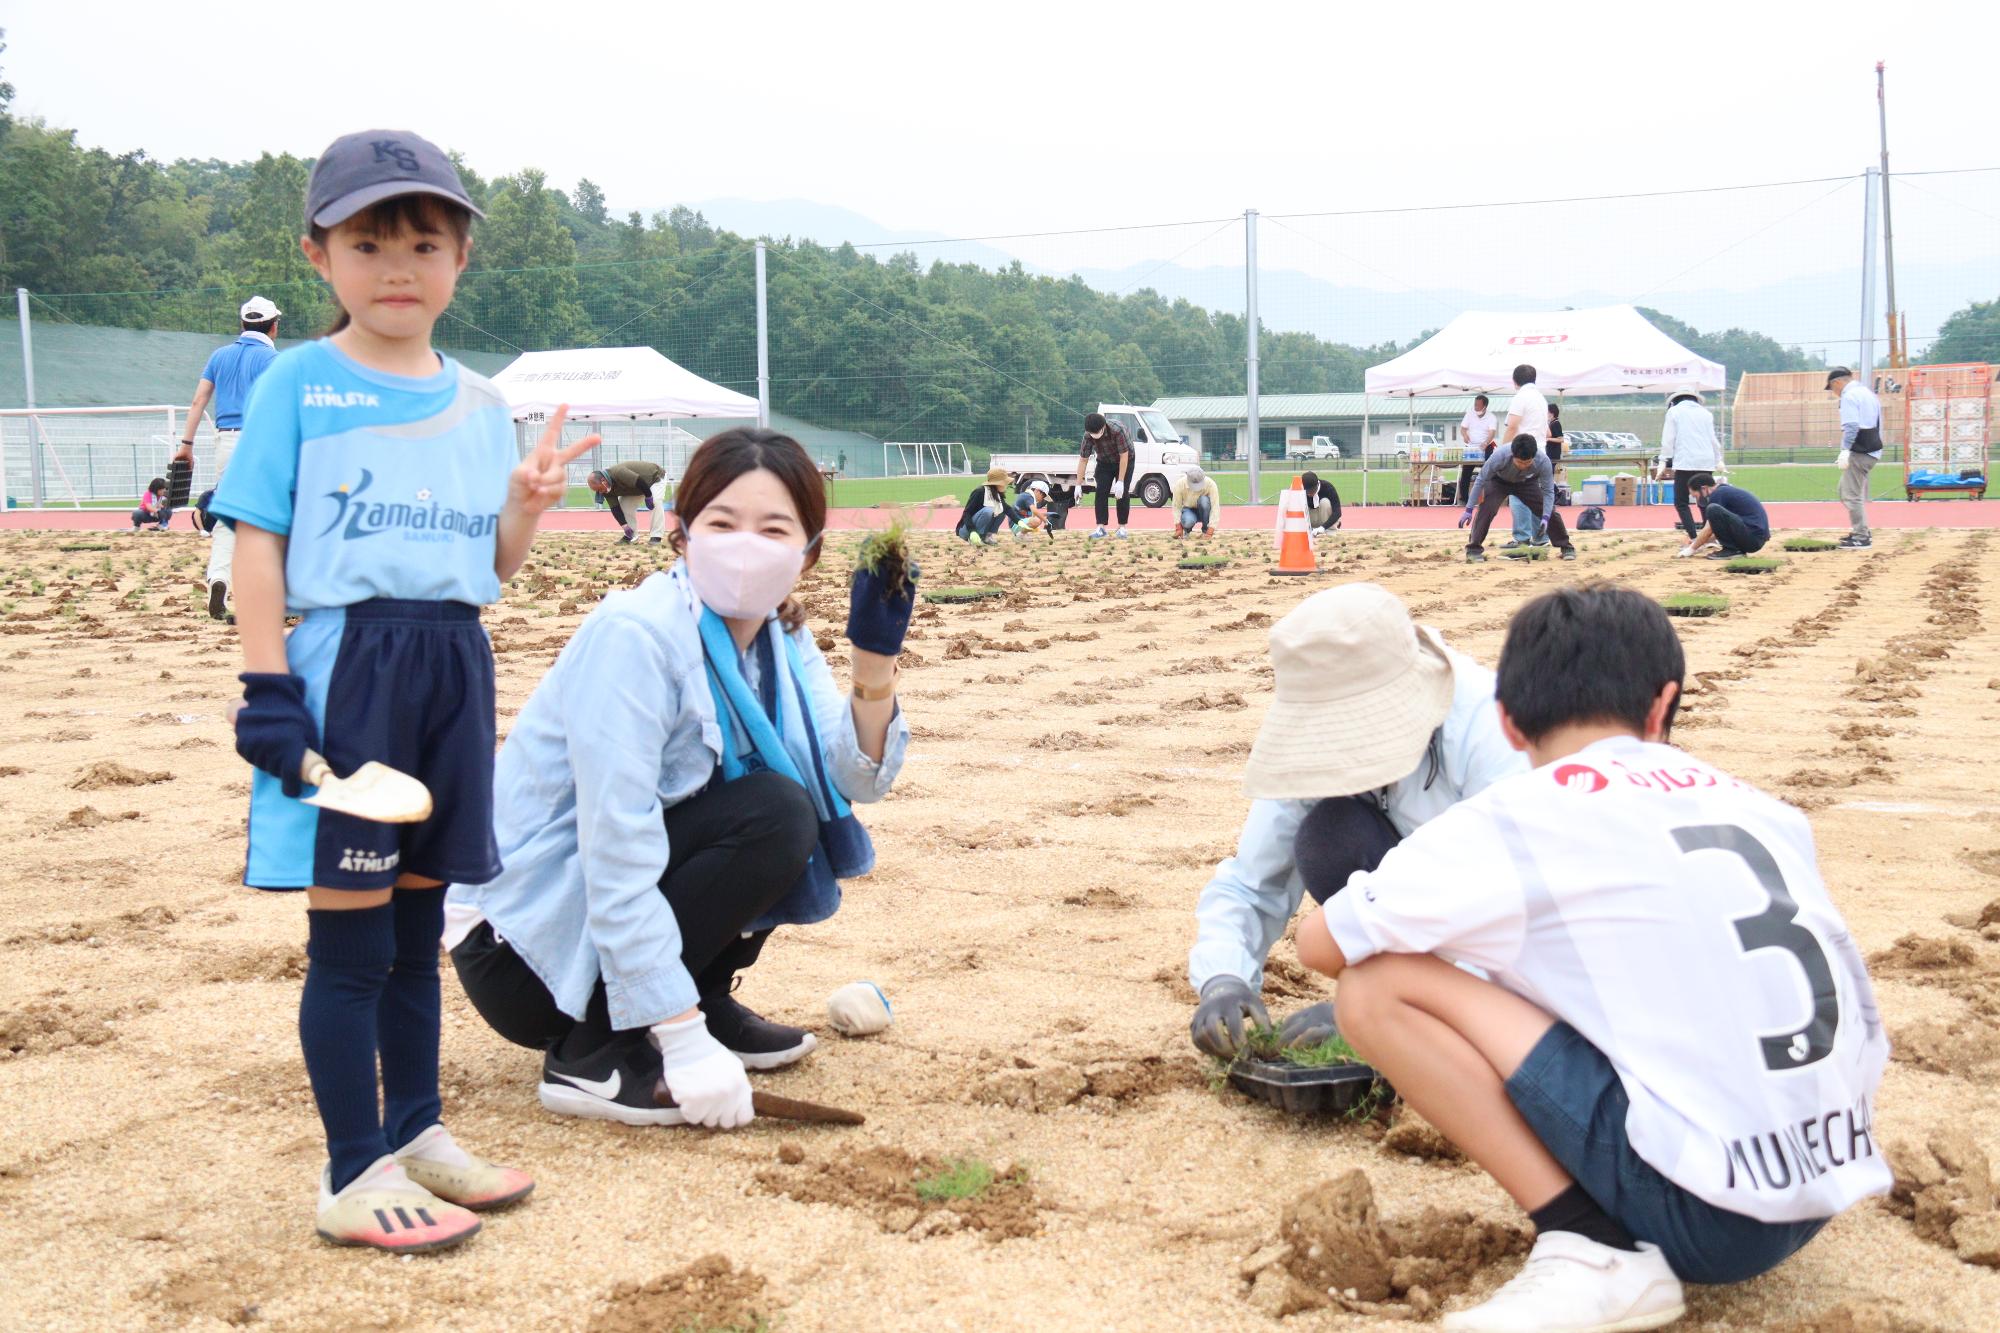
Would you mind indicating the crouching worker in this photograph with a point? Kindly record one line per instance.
(1733, 521)
(676, 788)
(1668, 1100)
(628, 488)
(1322, 502)
(985, 509)
(1376, 729)
(1196, 498)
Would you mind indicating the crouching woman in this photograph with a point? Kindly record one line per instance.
(676, 788)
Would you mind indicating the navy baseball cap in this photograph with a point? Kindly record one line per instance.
(366, 167)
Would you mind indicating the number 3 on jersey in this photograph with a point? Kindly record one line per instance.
(1776, 927)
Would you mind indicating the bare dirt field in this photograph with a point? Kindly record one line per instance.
(1072, 780)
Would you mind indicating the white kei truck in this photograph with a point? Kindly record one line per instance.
(1159, 457)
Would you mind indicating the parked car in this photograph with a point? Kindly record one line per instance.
(1159, 457)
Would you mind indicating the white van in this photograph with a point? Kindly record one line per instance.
(1159, 457)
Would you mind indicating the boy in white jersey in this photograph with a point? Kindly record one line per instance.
(1673, 1063)
(377, 492)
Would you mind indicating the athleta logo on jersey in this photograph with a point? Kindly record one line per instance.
(325, 395)
(367, 862)
(425, 521)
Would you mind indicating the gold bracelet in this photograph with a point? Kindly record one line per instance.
(876, 695)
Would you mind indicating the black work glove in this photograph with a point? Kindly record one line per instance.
(274, 728)
(1308, 1027)
(877, 622)
(1217, 1028)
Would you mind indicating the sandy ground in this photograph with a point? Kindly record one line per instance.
(1072, 780)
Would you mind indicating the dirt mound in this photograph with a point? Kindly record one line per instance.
(1923, 953)
(883, 1182)
(1041, 1087)
(1986, 862)
(1858, 1317)
(1227, 701)
(1286, 980)
(1100, 897)
(1965, 1048)
(710, 1293)
(1945, 1190)
(1068, 740)
(89, 816)
(220, 1290)
(1334, 1249)
(276, 962)
(1414, 1136)
(110, 773)
(41, 1026)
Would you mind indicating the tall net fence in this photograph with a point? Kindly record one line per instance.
(930, 358)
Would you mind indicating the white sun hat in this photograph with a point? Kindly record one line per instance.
(1360, 688)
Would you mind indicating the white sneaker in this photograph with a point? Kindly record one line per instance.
(1571, 1284)
(1098, 533)
(1123, 535)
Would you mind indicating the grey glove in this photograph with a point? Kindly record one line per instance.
(1217, 1028)
(1309, 1026)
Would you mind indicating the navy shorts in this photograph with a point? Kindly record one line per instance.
(409, 683)
(1571, 1097)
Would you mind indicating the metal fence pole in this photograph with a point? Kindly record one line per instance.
(763, 349)
(1864, 369)
(1250, 363)
(28, 374)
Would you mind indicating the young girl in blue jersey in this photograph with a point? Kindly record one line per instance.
(377, 493)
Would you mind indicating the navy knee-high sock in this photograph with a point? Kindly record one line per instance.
(349, 956)
(407, 1024)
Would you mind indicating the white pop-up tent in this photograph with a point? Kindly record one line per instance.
(634, 383)
(1606, 350)
(1609, 349)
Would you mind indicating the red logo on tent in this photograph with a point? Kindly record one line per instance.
(1581, 778)
(1535, 339)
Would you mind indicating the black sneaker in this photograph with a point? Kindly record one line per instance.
(616, 1082)
(652, 541)
(1569, 553)
(756, 1041)
(1854, 543)
(218, 599)
(1474, 558)
(1724, 553)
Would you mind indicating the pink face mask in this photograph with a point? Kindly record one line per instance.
(742, 575)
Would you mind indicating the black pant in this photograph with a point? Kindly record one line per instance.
(733, 851)
(1340, 836)
(1107, 472)
(1555, 453)
(1530, 493)
(1682, 508)
(1733, 532)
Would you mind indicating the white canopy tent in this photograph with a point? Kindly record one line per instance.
(633, 384)
(1609, 349)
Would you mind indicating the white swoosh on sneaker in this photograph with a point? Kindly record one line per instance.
(606, 1088)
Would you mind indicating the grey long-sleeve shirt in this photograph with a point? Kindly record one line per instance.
(1539, 469)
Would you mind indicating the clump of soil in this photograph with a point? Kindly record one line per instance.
(1965, 1048)
(1414, 1136)
(1334, 1249)
(883, 1183)
(710, 1293)
(1858, 1317)
(89, 816)
(1099, 898)
(1228, 701)
(41, 1026)
(1028, 1086)
(110, 773)
(275, 962)
(1067, 740)
(1945, 1190)
(1921, 953)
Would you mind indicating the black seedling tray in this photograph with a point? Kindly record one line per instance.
(1185, 564)
(1304, 1090)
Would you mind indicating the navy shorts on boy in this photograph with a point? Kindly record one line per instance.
(388, 490)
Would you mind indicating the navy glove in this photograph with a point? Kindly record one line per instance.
(274, 728)
(876, 622)
(1465, 518)
(1217, 1027)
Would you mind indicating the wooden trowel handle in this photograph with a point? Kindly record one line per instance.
(773, 1107)
(315, 770)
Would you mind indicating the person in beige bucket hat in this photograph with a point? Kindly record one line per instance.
(1376, 728)
(985, 509)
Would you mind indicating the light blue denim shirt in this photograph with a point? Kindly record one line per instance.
(1251, 898)
(622, 727)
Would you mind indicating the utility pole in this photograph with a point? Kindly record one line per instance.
(1899, 349)
(763, 349)
(1250, 364)
(28, 377)
(1864, 369)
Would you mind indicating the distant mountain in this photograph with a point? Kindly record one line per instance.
(1818, 312)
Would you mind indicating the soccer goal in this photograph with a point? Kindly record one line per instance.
(924, 460)
(78, 456)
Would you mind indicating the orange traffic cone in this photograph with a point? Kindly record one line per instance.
(1295, 552)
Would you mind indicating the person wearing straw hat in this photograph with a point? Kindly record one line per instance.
(1688, 449)
(985, 508)
(1376, 728)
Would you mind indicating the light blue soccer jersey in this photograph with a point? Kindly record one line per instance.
(385, 485)
(234, 371)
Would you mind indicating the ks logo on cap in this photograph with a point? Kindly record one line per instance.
(390, 150)
(1581, 778)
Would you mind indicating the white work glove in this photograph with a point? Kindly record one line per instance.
(704, 1076)
(1117, 490)
(1841, 460)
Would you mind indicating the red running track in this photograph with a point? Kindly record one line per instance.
(1884, 514)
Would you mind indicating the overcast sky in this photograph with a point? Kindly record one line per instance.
(976, 120)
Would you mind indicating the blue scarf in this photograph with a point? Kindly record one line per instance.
(772, 733)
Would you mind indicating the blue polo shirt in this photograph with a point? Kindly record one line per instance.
(1745, 506)
(232, 370)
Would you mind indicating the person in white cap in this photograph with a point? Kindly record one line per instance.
(1196, 498)
(1376, 729)
(226, 381)
(1688, 449)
